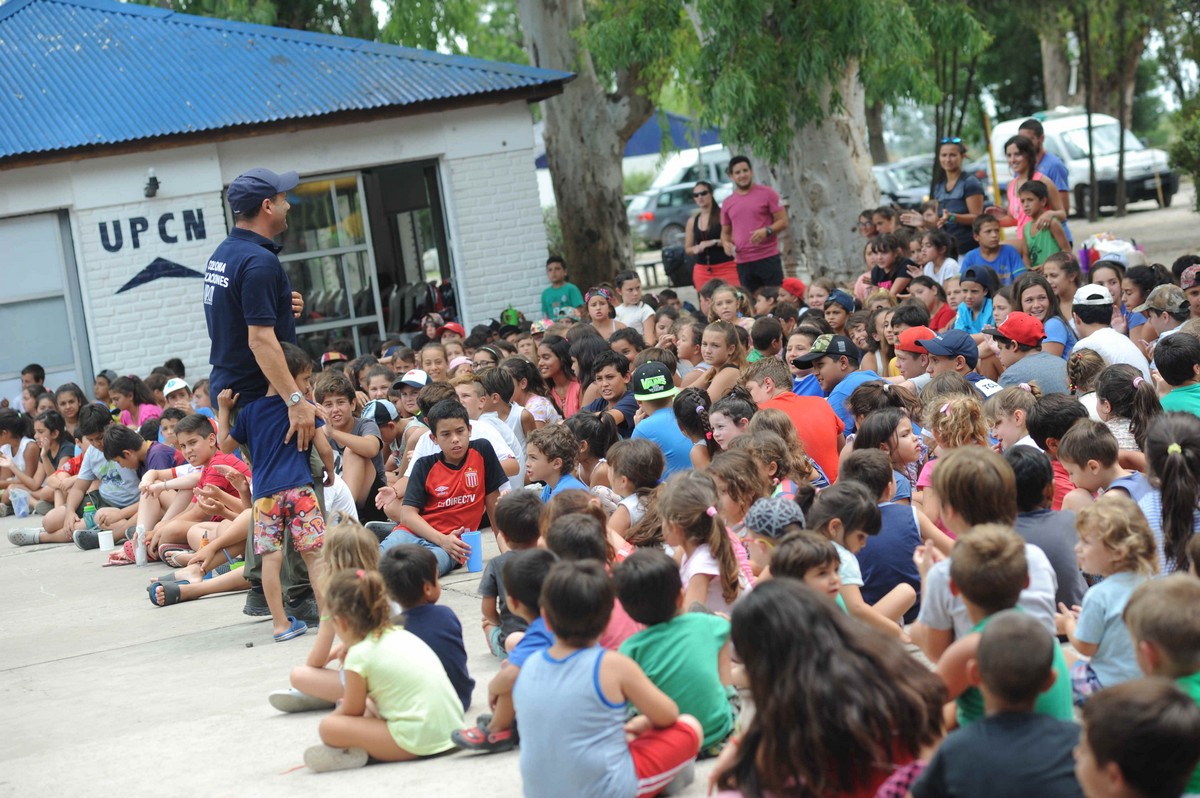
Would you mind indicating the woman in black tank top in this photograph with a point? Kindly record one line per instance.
(702, 240)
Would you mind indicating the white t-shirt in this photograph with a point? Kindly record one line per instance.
(1115, 348)
(339, 499)
(848, 568)
(634, 315)
(940, 609)
(703, 562)
(950, 268)
(486, 432)
(18, 459)
(502, 429)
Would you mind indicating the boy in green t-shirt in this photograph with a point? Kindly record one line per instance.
(561, 297)
(1163, 619)
(988, 569)
(686, 655)
(1177, 358)
(1040, 244)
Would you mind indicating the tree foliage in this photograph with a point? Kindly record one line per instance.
(341, 17)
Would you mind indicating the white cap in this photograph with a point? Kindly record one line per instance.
(414, 378)
(175, 384)
(1092, 295)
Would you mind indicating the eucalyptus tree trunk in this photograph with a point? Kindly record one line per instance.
(587, 128)
(826, 182)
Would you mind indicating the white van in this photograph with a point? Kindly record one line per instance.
(698, 163)
(1067, 137)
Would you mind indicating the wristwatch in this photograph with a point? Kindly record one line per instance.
(950, 218)
(295, 398)
(770, 232)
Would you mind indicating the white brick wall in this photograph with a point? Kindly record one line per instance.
(135, 331)
(497, 233)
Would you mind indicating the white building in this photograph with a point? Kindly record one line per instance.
(121, 126)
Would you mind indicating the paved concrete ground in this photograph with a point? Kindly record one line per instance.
(103, 694)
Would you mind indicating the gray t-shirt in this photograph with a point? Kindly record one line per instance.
(492, 586)
(1049, 371)
(362, 427)
(940, 609)
(118, 485)
(1054, 533)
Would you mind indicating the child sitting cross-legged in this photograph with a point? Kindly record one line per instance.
(1115, 543)
(1015, 750)
(988, 570)
(416, 707)
(348, 546)
(573, 700)
(410, 572)
(448, 491)
(849, 515)
(517, 515)
(1163, 618)
(170, 524)
(686, 655)
(1140, 739)
(524, 574)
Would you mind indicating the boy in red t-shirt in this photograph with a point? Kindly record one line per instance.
(448, 492)
(198, 441)
(770, 384)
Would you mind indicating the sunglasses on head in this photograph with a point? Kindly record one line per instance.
(955, 140)
(698, 194)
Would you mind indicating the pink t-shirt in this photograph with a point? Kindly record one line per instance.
(620, 628)
(145, 413)
(1015, 209)
(748, 212)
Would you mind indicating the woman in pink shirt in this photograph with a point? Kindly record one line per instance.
(1022, 160)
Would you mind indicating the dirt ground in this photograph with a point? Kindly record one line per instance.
(1164, 233)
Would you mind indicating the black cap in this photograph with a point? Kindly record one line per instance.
(834, 346)
(653, 380)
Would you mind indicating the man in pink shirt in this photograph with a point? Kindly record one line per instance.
(751, 220)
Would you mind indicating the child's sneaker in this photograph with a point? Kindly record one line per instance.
(43, 507)
(681, 781)
(256, 604)
(292, 700)
(5, 510)
(324, 758)
(86, 539)
(481, 738)
(25, 537)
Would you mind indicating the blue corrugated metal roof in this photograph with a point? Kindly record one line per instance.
(76, 73)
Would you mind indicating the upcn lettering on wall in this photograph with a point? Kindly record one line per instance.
(112, 234)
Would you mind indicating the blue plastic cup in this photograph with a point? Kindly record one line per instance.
(475, 558)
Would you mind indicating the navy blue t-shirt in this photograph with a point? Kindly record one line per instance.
(887, 559)
(439, 628)
(244, 285)
(625, 404)
(262, 425)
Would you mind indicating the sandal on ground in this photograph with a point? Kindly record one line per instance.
(324, 758)
(296, 629)
(171, 593)
(168, 552)
(485, 740)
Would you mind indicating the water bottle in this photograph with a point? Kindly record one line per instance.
(89, 515)
(139, 552)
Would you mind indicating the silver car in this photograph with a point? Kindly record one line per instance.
(658, 217)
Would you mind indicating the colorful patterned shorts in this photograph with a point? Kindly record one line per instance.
(293, 511)
(1083, 682)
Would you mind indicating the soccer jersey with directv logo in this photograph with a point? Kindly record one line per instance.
(451, 497)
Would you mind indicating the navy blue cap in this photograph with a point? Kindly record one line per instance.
(951, 344)
(249, 189)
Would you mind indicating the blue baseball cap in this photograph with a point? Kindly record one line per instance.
(249, 189)
(953, 343)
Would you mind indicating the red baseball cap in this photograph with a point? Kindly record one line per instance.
(1019, 327)
(452, 327)
(794, 286)
(908, 339)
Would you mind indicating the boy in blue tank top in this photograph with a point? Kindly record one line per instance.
(572, 700)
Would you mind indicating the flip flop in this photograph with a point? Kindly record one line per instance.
(170, 592)
(297, 628)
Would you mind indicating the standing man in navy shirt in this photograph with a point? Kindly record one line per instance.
(249, 307)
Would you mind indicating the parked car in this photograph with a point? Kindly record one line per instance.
(709, 163)
(1147, 170)
(658, 216)
(905, 182)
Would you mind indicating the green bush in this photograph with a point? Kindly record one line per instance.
(638, 182)
(554, 238)
(1185, 150)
